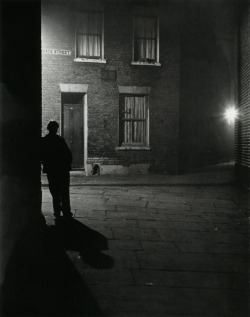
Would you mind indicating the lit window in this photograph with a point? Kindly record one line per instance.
(89, 35)
(146, 40)
(133, 123)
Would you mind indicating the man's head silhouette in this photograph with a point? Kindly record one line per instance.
(53, 127)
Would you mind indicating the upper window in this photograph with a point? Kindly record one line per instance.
(89, 36)
(133, 120)
(146, 40)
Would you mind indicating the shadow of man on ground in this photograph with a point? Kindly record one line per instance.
(71, 234)
(40, 278)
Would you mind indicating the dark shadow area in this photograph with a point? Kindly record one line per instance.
(71, 234)
(207, 74)
(41, 280)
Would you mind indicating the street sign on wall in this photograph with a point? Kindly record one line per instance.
(55, 51)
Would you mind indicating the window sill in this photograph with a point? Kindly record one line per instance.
(133, 148)
(145, 64)
(90, 60)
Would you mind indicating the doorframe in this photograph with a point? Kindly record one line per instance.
(78, 88)
(85, 130)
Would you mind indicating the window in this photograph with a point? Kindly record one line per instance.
(146, 40)
(89, 36)
(133, 120)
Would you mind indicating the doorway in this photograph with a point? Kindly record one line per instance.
(73, 126)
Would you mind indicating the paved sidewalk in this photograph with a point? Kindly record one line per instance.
(218, 174)
(177, 246)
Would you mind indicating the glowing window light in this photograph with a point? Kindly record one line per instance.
(231, 114)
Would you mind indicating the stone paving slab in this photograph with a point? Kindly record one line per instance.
(136, 209)
(173, 260)
(186, 218)
(100, 203)
(179, 210)
(136, 234)
(206, 280)
(231, 249)
(237, 263)
(226, 237)
(158, 245)
(172, 208)
(159, 300)
(173, 225)
(199, 246)
(175, 250)
(180, 236)
(233, 227)
(214, 218)
(170, 205)
(127, 202)
(88, 207)
(219, 177)
(134, 245)
(110, 223)
(116, 276)
(133, 215)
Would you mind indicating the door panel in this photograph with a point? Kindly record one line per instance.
(73, 132)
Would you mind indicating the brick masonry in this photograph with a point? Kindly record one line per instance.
(169, 82)
(243, 131)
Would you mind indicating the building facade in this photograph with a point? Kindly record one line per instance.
(242, 135)
(140, 86)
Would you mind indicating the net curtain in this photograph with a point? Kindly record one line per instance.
(145, 36)
(135, 117)
(89, 29)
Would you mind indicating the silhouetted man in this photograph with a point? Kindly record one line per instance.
(57, 159)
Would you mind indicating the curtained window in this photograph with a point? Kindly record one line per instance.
(133, 120)
(89, 34)
(145, 39)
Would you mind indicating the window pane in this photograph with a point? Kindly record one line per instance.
(139, 132)
(82, 45)
(140, 107)
(145, 39)
(128, 132)
(95, 23)
(150, 49)
(134, 120)
(94, 46)
(139, 27)
(149, 28)
(129, 106)
(82, 23)
(89, 32)
(139, 53)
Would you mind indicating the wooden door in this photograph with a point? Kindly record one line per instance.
(73, 132)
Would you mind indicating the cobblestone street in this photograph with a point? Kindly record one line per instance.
(177, 250)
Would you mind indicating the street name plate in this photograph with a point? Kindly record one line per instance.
(56, 51)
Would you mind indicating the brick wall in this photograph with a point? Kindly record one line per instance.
(243, 130)
(103, 96)
(189, 91)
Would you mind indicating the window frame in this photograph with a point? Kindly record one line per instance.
(138, 146)
(93, 59)
(157, 46)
